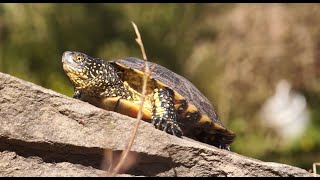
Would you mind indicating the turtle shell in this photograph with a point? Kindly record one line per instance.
(208, 121)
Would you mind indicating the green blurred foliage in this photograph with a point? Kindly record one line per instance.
(234, 53)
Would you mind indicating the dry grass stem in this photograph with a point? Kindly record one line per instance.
(139, 41)
(147, 73)
(315, 169)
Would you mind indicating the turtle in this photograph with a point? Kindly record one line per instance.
(172, 103)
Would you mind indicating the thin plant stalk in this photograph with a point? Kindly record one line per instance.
(147, 73)
(315, 169)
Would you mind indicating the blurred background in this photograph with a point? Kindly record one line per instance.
(259, 64)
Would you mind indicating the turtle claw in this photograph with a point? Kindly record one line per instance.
(158, 123)
(226, 147)
(154, 123)
(165, 128)
(168, 126)
(176, 130)
(77, 94)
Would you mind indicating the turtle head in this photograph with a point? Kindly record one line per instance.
(87, 74)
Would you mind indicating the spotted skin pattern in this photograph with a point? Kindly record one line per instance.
(164, 113)
(96, 78)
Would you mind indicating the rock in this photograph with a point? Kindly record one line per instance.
(44, 133)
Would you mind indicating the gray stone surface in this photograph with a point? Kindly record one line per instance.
(44, 133)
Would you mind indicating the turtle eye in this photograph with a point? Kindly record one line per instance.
(79, 58)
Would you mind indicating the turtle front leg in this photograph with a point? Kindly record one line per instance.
(164, 116)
